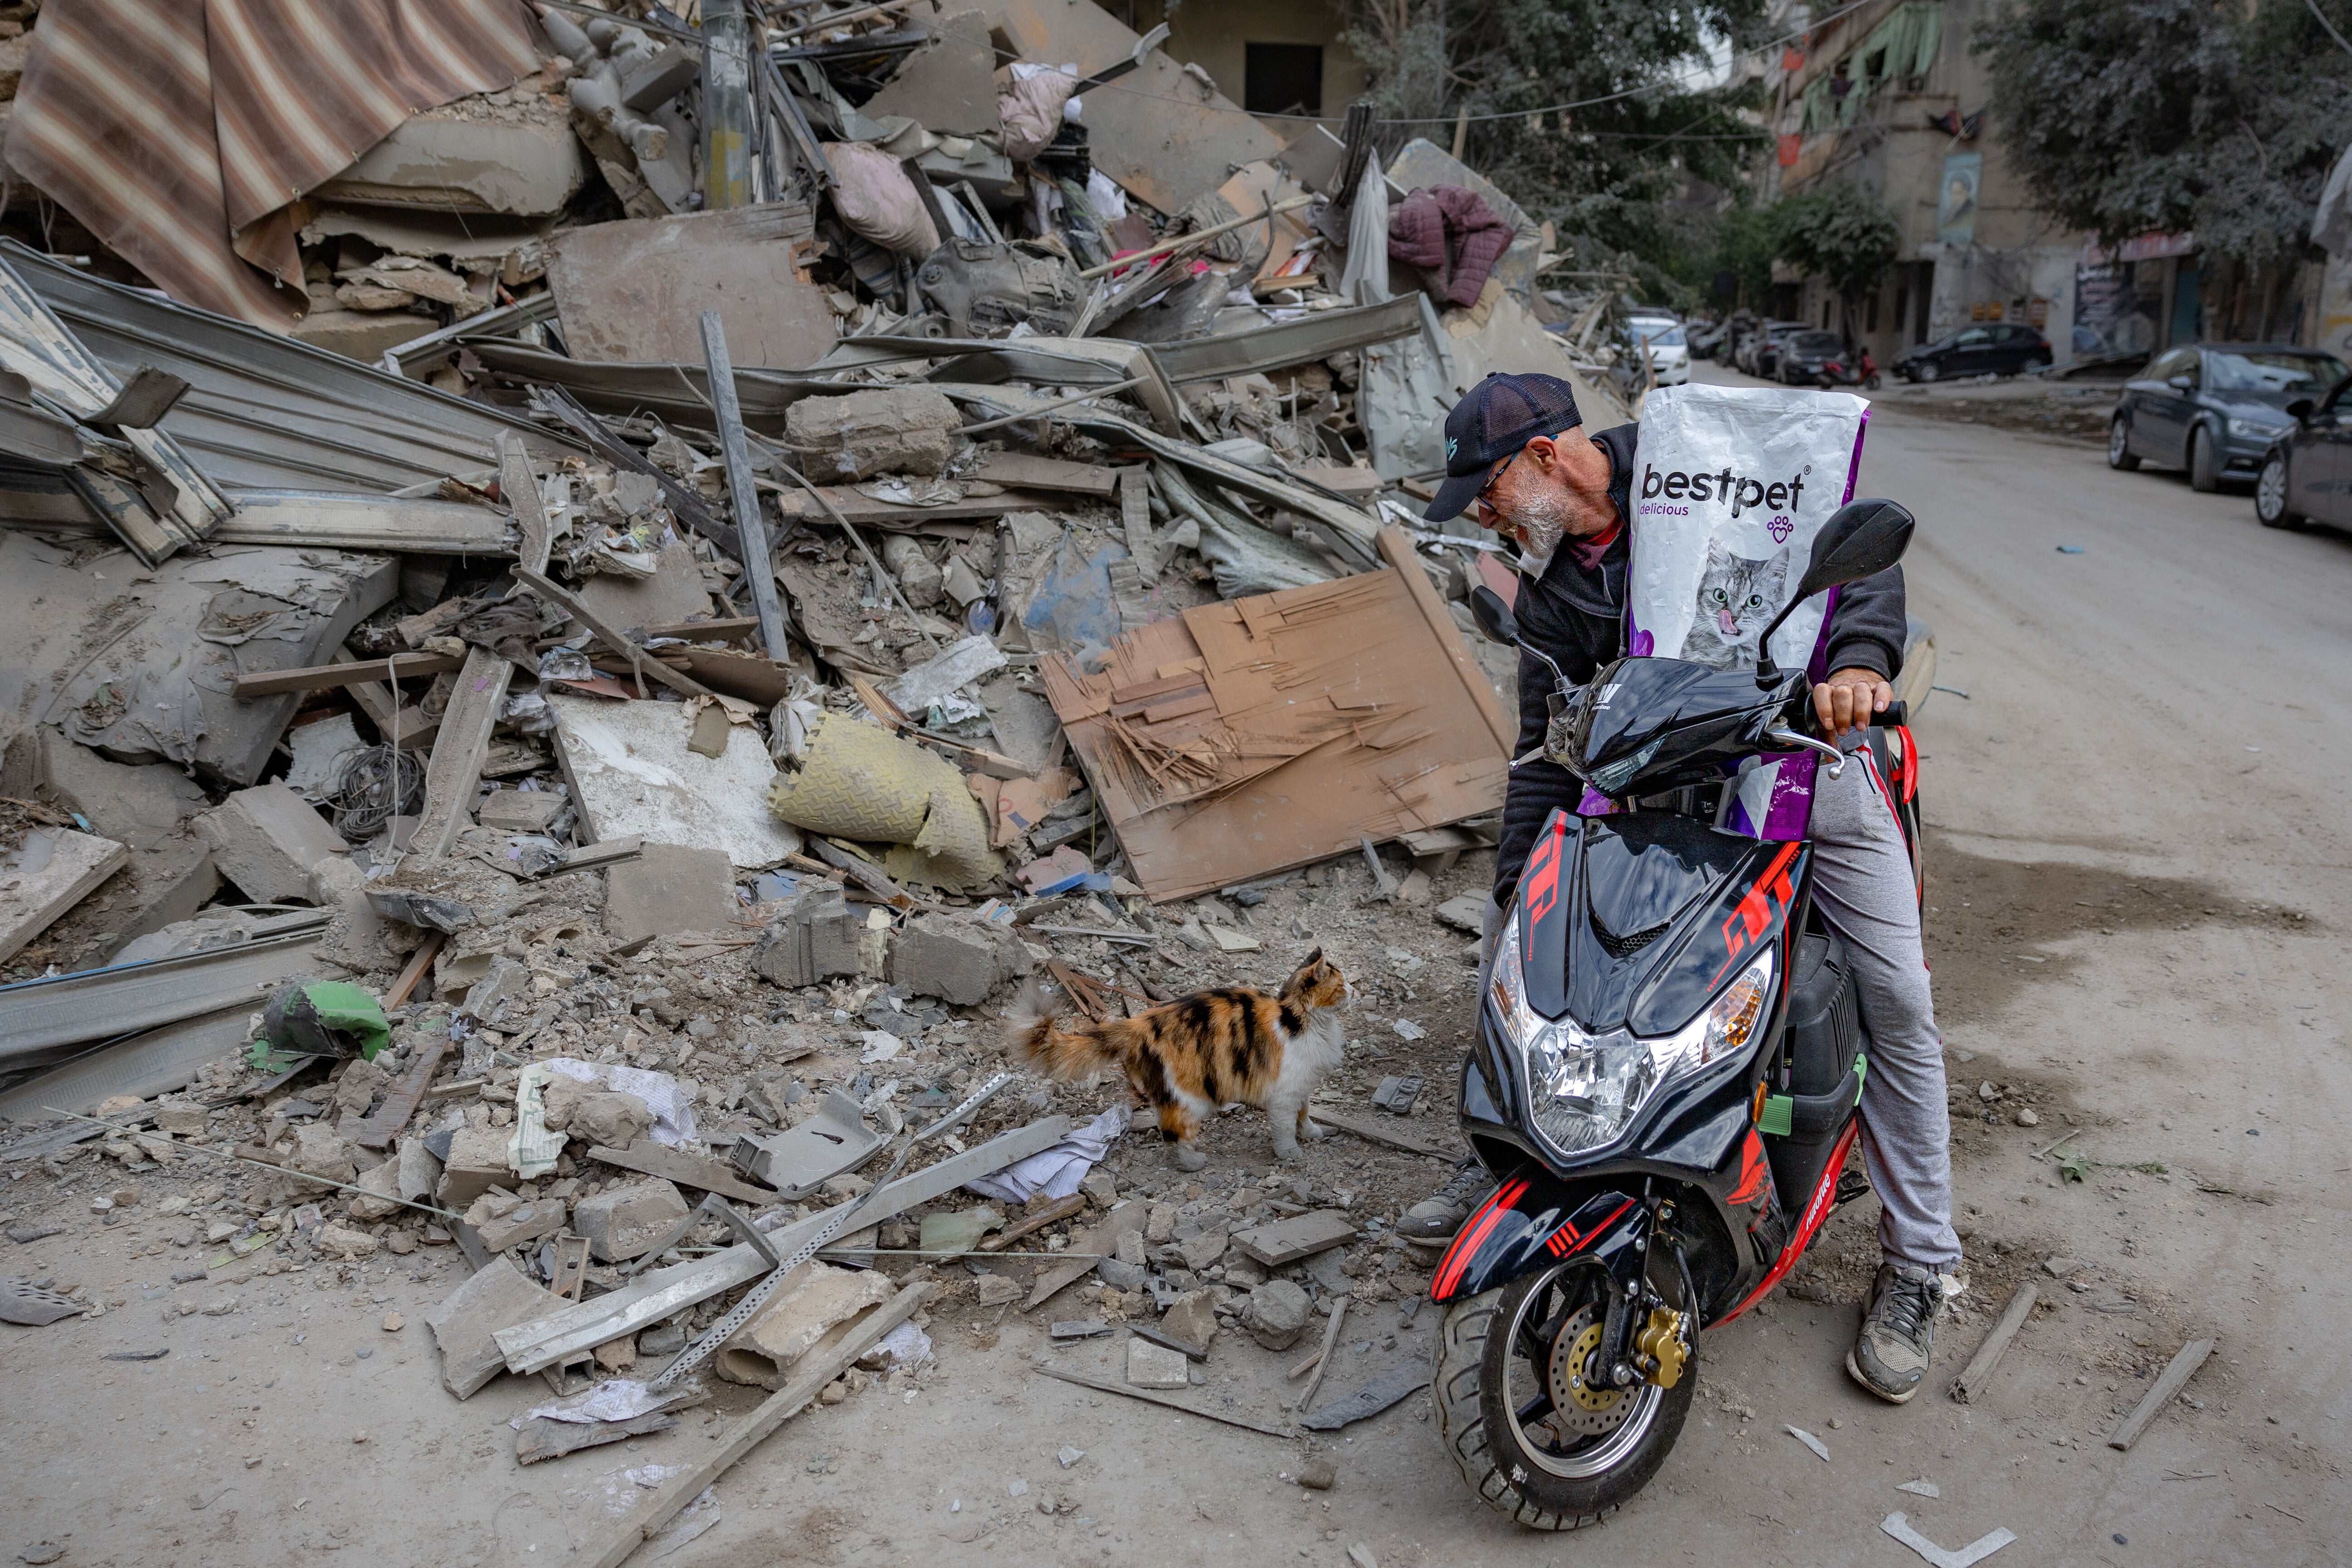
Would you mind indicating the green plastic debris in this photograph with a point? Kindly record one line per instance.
(326, 1018)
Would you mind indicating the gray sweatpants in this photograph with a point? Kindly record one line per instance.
(1861, 883)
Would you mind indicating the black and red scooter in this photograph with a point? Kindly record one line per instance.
(1668, 1059)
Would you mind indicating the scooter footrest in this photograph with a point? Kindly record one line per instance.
(1852, 1185)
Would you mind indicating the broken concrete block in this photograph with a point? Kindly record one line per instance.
(1202, 1250)
(998, 1291)
(477, 1162)
(519, 810)
(904, 430)
(48, 873)
(319, 1151)
(1191, 1318)
(345, 1242)
(379, 1196)
(445, 160)
(526, 1222)
(1277, 1314)
(1287, 1240)
(180, 1118)
(623, 1222)
(497, 1297)
(321, 750)
(960, 960)
(669, 888)
(608, 1118)
(356, 1090)
(266, 839)
(1156, 1366)
(418, 1170)
(812, 938)
(805, 1310)
(920, 578)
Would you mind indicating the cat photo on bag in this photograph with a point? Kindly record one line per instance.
(1736, 597)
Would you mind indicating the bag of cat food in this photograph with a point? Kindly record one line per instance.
(1730, 484)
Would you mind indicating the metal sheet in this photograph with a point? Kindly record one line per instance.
(1321, 333)
(157, 1062)
(266, 412)
(41, 1021)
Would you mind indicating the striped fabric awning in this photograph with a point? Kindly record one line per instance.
(179, 133)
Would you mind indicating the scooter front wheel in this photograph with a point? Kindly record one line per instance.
(1517, 1414)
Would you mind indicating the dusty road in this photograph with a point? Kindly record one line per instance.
(2139, 904)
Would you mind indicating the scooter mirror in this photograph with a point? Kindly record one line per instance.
(1861, 538)
(1493, 616)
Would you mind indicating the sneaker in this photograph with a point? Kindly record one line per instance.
(1890, 1354)
(1436, 1218)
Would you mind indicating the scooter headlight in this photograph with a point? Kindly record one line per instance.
(1584, 1089)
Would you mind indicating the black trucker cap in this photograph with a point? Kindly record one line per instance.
(1499, 416)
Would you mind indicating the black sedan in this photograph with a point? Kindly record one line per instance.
(2302, 477)
(2216, 408)
(1802, 356)
(1997, 349)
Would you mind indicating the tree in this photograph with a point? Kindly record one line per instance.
(1842, 234)
(1608, 175)
(2127, 116)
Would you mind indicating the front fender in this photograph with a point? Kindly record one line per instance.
(1534, 1220)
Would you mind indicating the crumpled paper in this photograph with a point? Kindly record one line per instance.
(617, 1399)
(1055, 1171)
(534, 1148)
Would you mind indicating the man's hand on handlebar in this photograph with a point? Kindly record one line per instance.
(1848, 698)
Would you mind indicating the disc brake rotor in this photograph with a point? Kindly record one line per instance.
(1577, 1406)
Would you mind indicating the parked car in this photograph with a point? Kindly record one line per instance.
(1801, 359)
(2301, 478)
(1669, 350)
(1998, 349)
(1761, 355)
(2218, 410)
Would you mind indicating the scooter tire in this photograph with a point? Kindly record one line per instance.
(1870, 381)
(1468, 1387)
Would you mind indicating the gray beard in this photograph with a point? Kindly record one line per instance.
(1542, 520)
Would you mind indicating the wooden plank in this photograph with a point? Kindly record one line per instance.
(1371, 1130)
(317, 677)
(378, 701)
(1026, 470)
(1061, 1209)
(2174, 1378)
(71, 865)
(456, 767)
(686, 1170)
(1979, 1371)
(610, 635)
(1100, 1242)
(733, 629)
(1300, 1235)
(1135, 519)
(401, 1102)
(1099, 1386)
(753, 1429)
(544, 1437)
(1323, 1356)
(1396, 549)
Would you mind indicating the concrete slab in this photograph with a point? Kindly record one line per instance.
(51, 871)
(630, 769)
(669, 888)
(266, 839)
(440, 161)
(633, 290)
(948, 85)
(497, 1297)
(673, 594)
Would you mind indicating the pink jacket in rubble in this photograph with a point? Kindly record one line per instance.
(1453, 236)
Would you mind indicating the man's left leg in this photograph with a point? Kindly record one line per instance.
(1863, 887)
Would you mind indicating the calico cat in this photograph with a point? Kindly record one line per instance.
(1736, 598)
(1184, 1058)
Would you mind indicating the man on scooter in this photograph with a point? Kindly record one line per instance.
(1516, 450)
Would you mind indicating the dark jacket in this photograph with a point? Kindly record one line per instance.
(1577, 617)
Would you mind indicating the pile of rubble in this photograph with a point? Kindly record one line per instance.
(634, 732)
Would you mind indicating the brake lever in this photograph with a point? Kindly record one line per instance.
(1787, 737)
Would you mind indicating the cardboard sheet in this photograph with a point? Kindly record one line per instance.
(1250, 737)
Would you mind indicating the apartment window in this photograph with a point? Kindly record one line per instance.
(1282, 78)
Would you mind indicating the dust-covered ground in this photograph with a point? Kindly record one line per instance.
(2137, 906)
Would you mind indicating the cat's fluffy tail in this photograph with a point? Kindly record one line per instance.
(1034, 1033)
